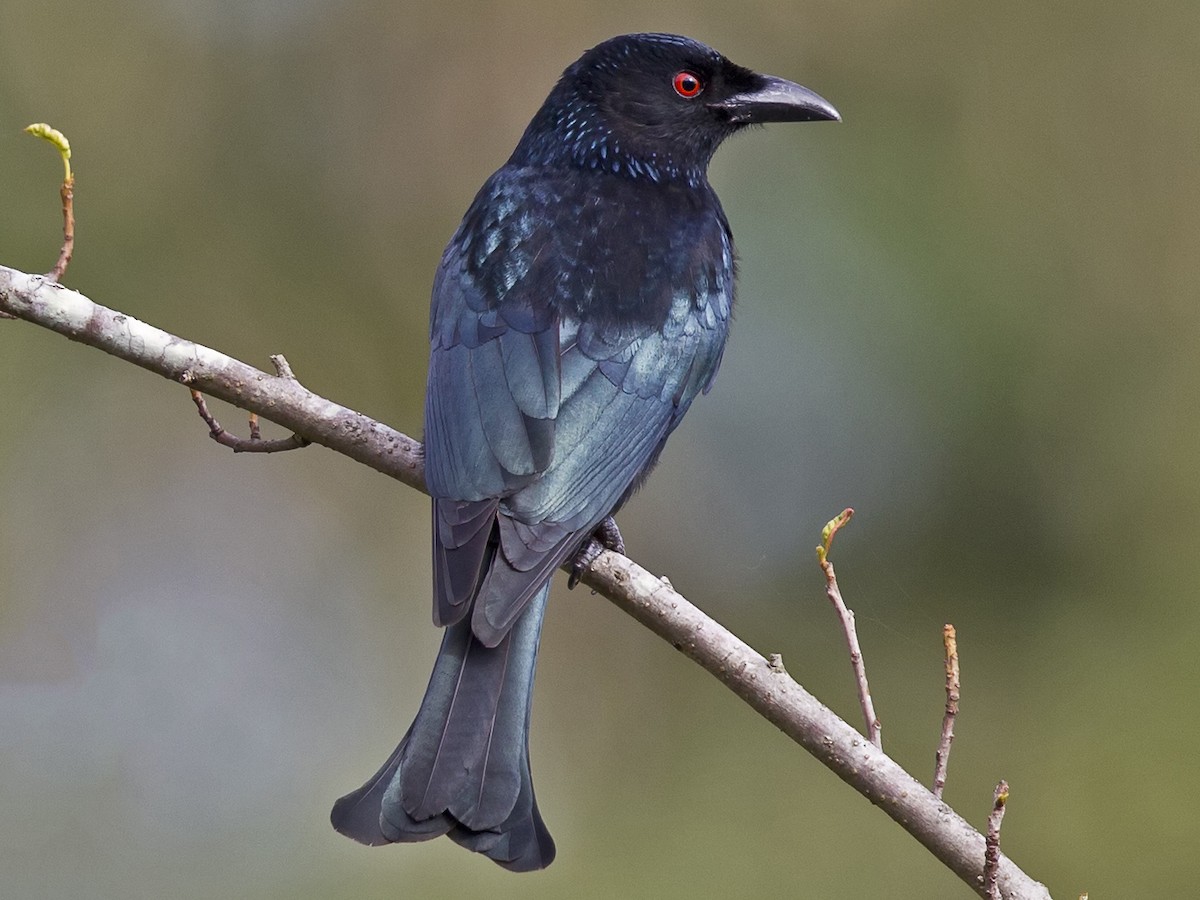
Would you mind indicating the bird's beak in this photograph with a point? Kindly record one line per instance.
(777, 100)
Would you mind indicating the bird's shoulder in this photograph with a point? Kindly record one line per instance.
(539, 244)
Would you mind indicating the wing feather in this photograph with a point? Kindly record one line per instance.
(541, 418)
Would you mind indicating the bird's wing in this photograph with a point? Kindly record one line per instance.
(493, 396)
(619, 404)
(538, 424)
(493, 391)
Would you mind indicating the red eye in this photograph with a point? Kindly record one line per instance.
(687, 85)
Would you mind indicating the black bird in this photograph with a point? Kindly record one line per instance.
(578, 310)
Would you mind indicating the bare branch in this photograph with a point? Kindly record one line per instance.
(991, 857)
(282, 400)
(651, 600)
(846, 616)
(950, 640)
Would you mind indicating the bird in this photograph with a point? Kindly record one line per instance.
(580, 307)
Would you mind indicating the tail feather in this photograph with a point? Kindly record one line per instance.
(463, 767)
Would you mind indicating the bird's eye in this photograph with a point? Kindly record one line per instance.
(687, 85)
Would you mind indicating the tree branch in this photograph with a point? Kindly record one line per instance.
(942, 756)
(846, 617)
(767, 688)
(991, 854)
(280, 398)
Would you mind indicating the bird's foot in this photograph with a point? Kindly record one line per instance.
(606, 537)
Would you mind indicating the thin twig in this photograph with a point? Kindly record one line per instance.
(67, 193)
(874, 726)
(991, 853)
(283, 368)
(255, 443)
(950, 640)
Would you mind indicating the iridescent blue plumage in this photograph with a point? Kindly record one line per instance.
(579, 309)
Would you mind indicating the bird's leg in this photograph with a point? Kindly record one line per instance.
(607, 536)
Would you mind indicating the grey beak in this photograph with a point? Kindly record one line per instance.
(777, 100)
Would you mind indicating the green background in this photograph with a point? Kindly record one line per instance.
(970, 312)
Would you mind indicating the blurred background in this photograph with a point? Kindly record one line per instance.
(970, 312)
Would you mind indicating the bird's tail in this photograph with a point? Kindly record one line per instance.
(463, 767)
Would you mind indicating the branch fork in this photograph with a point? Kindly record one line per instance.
(255, 443)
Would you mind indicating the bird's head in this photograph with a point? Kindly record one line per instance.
(658, 106)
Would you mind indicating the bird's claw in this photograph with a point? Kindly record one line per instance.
(607, 536)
